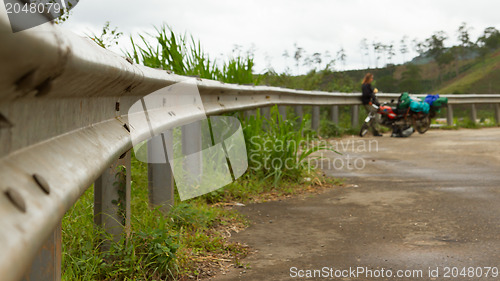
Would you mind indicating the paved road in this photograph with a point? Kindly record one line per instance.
(429, 201)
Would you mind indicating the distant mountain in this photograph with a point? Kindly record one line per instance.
(482, 77)
(472, 74)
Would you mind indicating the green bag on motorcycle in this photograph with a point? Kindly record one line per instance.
(404, 101)
(440, 102)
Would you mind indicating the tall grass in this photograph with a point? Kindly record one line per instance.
(276, 147)
(184, 55)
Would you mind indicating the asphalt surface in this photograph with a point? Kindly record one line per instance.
(422, 203)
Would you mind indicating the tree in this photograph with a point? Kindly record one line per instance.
(316, 58)
(308, 61)
(297, 56)
(435, 44)
(435, 48)
(329, 61)
(464, 35)
(403, 47)
(411, 79)
(390, 51)
(418, 46)
(363, 46)
(378, 49)
(444, 59)
(341, 56)
(490, 40)
(286, 55)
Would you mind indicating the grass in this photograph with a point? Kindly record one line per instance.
(184, 55)
(160, 247)
(466, 123)
(191, 240)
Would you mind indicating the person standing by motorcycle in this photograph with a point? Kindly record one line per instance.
(368, 98)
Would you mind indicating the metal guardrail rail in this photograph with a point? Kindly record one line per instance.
(63, 111)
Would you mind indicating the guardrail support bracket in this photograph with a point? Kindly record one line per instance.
(354, 116)
(160, 176)
(473, 113)
(299, 113)
(334, 114)
(497, 113)
(112, 199)
(449, 115)
(315, 118)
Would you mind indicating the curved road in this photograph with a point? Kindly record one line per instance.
(423, 203)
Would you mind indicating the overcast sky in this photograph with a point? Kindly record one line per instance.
(273, 26)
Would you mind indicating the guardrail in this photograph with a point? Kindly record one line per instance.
(63, 126)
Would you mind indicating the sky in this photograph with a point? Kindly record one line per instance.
(271, 27)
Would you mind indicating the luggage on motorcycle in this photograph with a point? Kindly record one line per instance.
(440, 102)
(430, 99)
(404, 101)
(406, 133)
(402, 133)
(437, 104)
(419, 106)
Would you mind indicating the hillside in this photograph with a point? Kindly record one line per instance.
(470, 76)
(482, 78)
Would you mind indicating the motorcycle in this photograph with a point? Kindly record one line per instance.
(401, 121)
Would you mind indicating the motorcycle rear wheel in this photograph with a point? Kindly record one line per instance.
(422, 125)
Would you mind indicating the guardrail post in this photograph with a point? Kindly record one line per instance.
(449, 115)
(315, 118)
(250, 112)
(473, 113)
(497, 113)
(160, 176)
(299, 112)
(47, 263)
(191, 143)
(112, 199)
(266, 112)
(334, 114)
(354, 116)
(282, 111)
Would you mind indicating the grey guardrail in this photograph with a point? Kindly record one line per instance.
(63, 107)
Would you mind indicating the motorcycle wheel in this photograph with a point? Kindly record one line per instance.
(422, 125)
(364, 130)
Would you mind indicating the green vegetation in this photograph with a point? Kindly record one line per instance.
(108, 36)
(478, 79)
(159, 247)
(468, 67)
(184, 55)
(191, 240)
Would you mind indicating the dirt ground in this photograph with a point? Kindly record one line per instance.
(426, 203)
